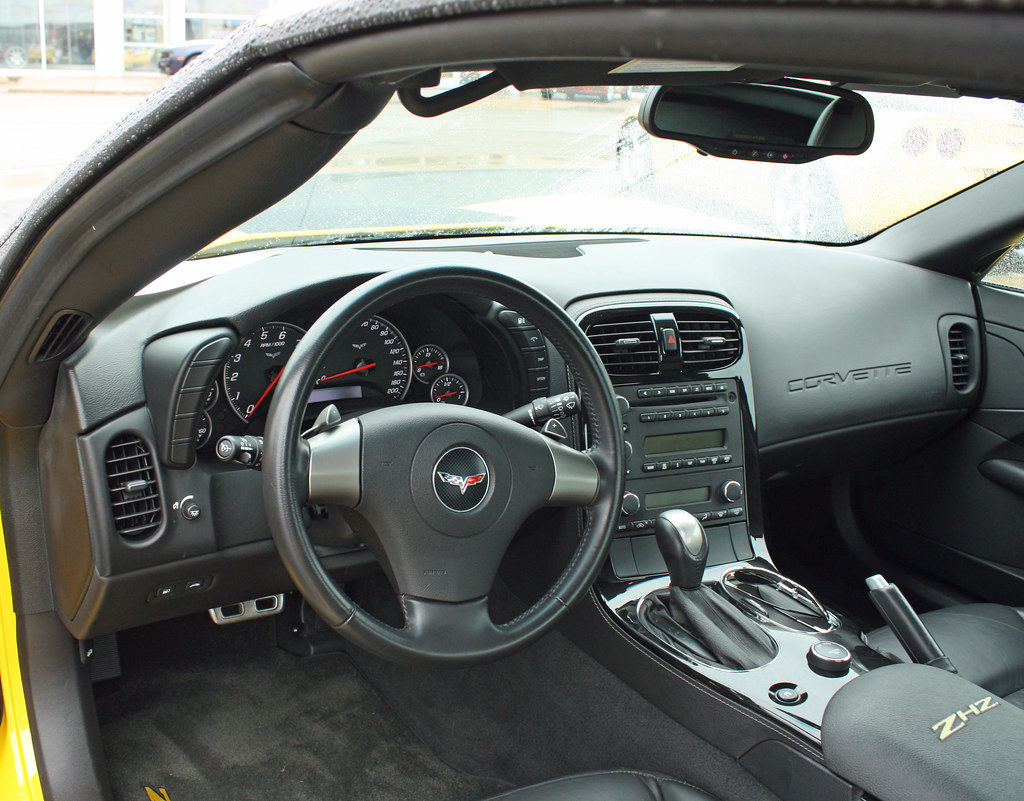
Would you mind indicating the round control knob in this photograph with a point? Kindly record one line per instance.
(730, 491)
(191, 510)
(627, 449)
(623, 404)
(829, 658)
(630, 504)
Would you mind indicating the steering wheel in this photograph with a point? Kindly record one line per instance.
(438, 491)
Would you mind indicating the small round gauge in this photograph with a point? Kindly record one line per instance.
(449, 388)
(251, 372)
(212, 395)
(428, 362)
(204, 430)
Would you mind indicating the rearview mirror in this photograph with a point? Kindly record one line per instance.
(786, 121)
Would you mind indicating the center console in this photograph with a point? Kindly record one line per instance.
(683, 383)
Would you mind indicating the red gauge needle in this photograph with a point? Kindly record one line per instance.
(429, 364)
(446, 395)
(264, 395)
(339, 375)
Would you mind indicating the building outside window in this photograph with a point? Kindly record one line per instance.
(110, 37)
(36, 34)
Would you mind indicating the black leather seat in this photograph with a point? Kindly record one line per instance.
(614, 785)
(985, 642)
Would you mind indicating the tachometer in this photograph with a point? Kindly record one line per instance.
(375, 356)
(251, 372)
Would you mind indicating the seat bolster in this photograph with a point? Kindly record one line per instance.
(615, 785)
(984, 641)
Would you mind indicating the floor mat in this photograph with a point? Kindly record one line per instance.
(547, 711)
(214, 713)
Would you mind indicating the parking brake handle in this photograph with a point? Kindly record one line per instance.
(905, 623)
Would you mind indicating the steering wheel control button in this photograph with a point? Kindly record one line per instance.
(829, 658)
(461, 479)
(786, 694)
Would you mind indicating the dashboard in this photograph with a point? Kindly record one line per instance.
(832, 369)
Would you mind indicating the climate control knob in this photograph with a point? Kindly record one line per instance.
(730, 491)
(630, 504)
(627, 449)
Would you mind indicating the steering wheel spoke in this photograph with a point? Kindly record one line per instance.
(577, 478)
(333, 473)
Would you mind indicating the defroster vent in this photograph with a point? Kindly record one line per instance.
(626, 343)
(709, 341)
(134, 493)
(959, 356)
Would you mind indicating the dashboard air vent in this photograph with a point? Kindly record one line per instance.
(959, 356)
(134, 494)
(626, 344)
(709, 341)
(63, 334)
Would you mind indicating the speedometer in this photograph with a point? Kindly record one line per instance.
(376, 356)
(251, 372)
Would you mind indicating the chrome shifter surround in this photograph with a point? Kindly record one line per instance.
(738, 585)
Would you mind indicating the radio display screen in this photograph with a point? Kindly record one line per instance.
(678, 497)
(689, 441)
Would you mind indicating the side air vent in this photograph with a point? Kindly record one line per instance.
(134, 494)
(63, 334)
(709, 341)
(626, 344)
(959, 356)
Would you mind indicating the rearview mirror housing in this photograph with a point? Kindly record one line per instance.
(785, 121)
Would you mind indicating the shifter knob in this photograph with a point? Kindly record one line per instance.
(683, 546)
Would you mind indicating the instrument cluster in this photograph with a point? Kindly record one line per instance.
(408, 354)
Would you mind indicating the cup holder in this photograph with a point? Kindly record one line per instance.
(775, 600)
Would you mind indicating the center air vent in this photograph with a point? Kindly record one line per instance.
(959, 356)
(709, 341)
(626, 343)
(134, 494)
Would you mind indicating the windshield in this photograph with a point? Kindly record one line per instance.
(576, 160)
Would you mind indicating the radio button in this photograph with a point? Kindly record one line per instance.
(689, 462)
(677, 464)
(723, 410)
(671, 391)
(690, 413)
(630, 504)
(656, 392)
(707, 412)
(709, 388)
(713, 459)
(736, 511)
(646, 417)
(643, 393)
(650, 467)
(663, 465)
(725, 458)
(702, 461)
(662, 416)
(720, 387)
(683, 390)
(730, 491)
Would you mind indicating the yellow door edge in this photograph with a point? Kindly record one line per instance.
(19, 777)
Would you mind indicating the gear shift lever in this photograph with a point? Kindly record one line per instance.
(713, 630)
(683, 546)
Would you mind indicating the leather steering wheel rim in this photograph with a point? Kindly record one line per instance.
(455, 632)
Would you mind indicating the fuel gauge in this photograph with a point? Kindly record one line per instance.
(449, 388)
(428, 362)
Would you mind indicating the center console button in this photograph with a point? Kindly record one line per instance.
(829, 658)
(786, 694)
